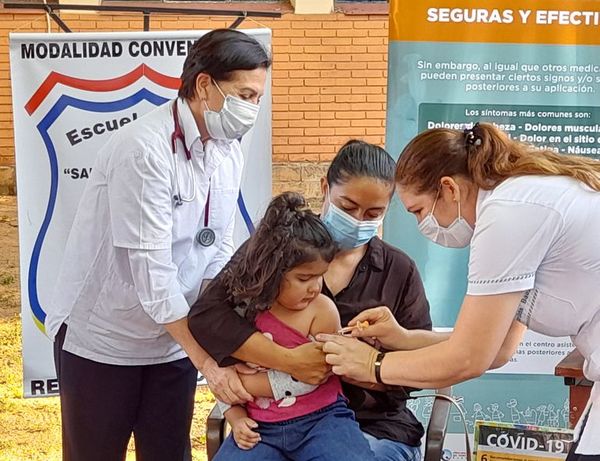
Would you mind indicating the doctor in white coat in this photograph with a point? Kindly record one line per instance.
(532, 220)
(155, 220)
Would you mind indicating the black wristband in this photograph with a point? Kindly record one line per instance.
(378, 361)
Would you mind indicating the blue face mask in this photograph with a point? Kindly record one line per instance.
(347, 231)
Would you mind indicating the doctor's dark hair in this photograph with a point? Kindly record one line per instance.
(219, 53)
(485, 155)
(289, 235)
(357, 159)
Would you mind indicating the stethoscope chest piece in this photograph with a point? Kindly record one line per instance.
(206, 237)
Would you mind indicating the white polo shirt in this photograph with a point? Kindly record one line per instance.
(541, 235)
(132, 262)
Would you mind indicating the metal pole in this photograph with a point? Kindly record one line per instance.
(146, 21)
(56, 18)
(238, 21)
(145, 10)
(141, 9)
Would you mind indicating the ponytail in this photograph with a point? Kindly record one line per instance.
(485, 155)
(289, 235)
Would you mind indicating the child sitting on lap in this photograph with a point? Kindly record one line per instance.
(277, 281)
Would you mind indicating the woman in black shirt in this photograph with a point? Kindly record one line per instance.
(366, 273)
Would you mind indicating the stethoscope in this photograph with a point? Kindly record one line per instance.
(205, 236)
(178, 135)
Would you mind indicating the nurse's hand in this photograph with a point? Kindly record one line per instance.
(225, 383)
(382, 325)
(350, 357)
(307, 364)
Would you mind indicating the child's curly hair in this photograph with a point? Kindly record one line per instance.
(289, 234)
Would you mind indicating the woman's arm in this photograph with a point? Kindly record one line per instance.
(223, 382)
(417, 339)
(408, 340)
(384, 326)
(480, 331)
(510, 345)
(180, 332)
(306, 363)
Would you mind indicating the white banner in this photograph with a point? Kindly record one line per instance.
(70, 91)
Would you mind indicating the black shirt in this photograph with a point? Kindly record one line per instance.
(385, 276)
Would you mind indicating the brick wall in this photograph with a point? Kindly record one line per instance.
(329, 83)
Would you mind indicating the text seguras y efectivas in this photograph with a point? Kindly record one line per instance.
(509, 16)
(104, 49)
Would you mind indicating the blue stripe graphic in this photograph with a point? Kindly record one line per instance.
(245, 214)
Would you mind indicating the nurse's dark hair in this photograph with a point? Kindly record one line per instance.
(289, 235)
(485, 155)
(219, 53)
(357, 159)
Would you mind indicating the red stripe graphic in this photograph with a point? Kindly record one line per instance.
(55, 78)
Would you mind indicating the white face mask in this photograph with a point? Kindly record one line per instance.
(456, 235)
(233, 120)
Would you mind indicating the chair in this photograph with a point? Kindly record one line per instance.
(217, 431)
(438, 424)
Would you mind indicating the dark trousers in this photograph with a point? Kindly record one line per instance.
(572, 456)
(102, 405)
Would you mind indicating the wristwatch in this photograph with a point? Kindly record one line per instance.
(378, 361)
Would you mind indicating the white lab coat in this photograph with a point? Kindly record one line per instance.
(132, 262)
(540, 235)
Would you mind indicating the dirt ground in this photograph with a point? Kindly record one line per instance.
(30, 428)
(9, 259)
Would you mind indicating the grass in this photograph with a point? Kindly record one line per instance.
(7, 279)
(30, 428)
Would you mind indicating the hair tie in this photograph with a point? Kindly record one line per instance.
(472, 137)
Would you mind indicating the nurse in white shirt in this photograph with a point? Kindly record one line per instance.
(155, 220)
(532, 219)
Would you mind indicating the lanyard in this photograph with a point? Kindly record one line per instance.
(178, 134)
(207, 208)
